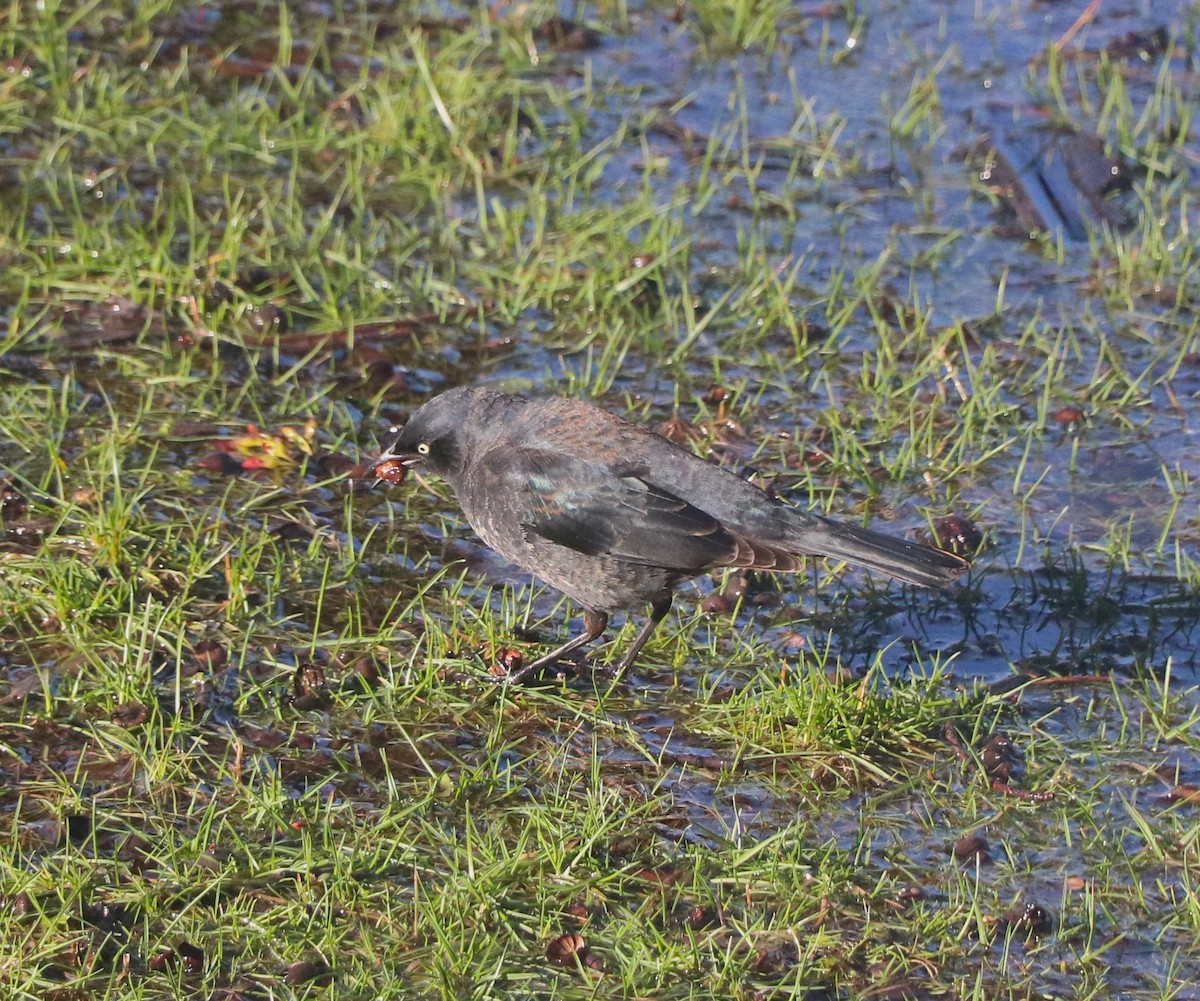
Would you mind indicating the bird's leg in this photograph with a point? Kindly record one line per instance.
(594, 624)
(658, 612)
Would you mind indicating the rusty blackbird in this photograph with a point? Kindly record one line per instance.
(614, 515)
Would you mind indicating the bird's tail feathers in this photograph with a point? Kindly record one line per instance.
(910, 562)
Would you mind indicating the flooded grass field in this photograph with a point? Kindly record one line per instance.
(930, 268)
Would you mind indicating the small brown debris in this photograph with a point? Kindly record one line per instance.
(209, 655)
(664, 875)
(506, 661)
(114, 320)
(367, 668)
(136, 850)
(308, 687)
(679, 431)
(1068, 415)
(996, 757)
(972, 848)
(567, 950)
(107, 915)
(376, 364)
(578, 912)
(1024, 794)
(736, 585)
(20, 905)
(698, 918)
(724, 601)
(565, 35)
(338, 465)
(1142, 45)
(999, 757)
(717, 604)
(191, 958)
(290, 530)
(26, 534)
(1028, 920)
(130, 714)
(1183, 794)
(958, 534)
(776, 959)
(77, 827)
(306, 970)
(13, 504)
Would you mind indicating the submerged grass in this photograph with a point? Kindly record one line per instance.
(247, 744)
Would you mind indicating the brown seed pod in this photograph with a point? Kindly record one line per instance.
(972, 848)
(390, 471)
(567, 949)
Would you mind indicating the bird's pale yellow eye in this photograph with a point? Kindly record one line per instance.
(423, 448)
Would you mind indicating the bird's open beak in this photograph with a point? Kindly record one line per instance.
(391, 467)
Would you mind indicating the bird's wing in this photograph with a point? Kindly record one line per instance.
(598, 509)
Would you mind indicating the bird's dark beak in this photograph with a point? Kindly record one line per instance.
(391, 467)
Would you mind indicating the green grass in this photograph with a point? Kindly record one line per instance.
(264, 215)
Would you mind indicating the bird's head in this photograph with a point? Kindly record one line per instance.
(440, 435)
